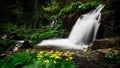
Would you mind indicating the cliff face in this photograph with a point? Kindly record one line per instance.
(110, 24)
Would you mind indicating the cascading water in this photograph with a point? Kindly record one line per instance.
(53, 24)
(85, 29)
(83, 32)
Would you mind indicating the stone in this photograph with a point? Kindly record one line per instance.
(106, 43)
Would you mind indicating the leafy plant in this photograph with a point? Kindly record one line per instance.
(5, 44)
(4, 63)
(52, 6)
(20, 58)
(112, 58)
(17, 60)
(110, 55)
(78, 5)
(7, 28)
(55, 32)
(40, 64)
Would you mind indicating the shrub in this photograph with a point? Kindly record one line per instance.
(111, 58)
(17, 60)
(5, 44)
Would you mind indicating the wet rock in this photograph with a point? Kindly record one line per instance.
(88, 59)
(106, 43)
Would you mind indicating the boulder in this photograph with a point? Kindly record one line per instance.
(106, 43)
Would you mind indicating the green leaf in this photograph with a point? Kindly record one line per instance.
(50, 64)
(36, 64)
(20, 58)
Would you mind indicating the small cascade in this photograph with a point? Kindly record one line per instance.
(82, 34)
(53, 24)
(85, 29)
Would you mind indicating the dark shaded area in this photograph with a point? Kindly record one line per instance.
(14, 36)
(26, 44)
(110, 26)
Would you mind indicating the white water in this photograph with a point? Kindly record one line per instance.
(83, 32)
(53, 24)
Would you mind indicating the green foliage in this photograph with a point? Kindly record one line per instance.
(17, 8)
(110, 55)
(17, 60)
(78, 5)
(20, 58)
(43, 35)
(52, 33)
(40, 64)
(36, 35)
(32, 60)
(5, 44)
(55, 32)
(4, 63)
(69, 8)
(66, 64)
(52, 6)
(7, 28)
(88, 5)
(112, 58)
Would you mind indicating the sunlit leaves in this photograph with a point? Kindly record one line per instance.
(52, 6)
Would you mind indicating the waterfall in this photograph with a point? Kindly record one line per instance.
(85, 28)
(82, 34)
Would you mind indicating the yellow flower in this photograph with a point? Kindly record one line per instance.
(70, 58)
(57, 52)
(40, 52)
(66, 54)
(46, 54)
(51, 56)
(57, 57)
(66, 59)
(39, 56)
(51, 51)
(46, 61)
(54, 62)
